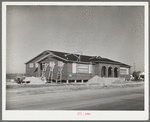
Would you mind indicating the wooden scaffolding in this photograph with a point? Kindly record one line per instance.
(48, 69)
(59, 72)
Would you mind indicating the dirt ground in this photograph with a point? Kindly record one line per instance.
(129, 96)
(17, 90)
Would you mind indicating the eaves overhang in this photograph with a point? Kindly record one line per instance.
(117, 63)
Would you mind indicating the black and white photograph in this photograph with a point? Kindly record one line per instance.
(75, 61)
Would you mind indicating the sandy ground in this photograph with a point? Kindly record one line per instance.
(129, 96)
(14, 89)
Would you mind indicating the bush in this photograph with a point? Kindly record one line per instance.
(136, 75)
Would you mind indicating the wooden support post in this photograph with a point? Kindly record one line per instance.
(118, 72)
(49, 74)
(45, 80)
(39, 70)
(75, 81)
(82, 80)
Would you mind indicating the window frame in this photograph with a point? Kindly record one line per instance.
(31, 65)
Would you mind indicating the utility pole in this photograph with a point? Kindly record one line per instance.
(134, 66)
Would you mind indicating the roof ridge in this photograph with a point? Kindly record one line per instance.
(70, 53)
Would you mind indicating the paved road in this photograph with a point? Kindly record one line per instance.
(128, 98)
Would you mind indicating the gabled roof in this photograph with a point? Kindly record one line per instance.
(104, 60)
(37, 57)
(71, 57)
(68, 57)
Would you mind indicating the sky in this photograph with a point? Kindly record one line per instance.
(114, 32)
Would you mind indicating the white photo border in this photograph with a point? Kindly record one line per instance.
(72, 115)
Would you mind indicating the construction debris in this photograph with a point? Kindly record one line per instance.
(104, 81)
(33, 80)
(96, 80)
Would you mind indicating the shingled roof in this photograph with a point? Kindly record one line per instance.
(70, 57)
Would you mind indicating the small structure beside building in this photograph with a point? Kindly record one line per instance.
(60, 66)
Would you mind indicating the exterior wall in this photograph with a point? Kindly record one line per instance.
(64, 70)
(125, 75)
(67, 70)
(39, 72)
(47, 60)
(99, 69)
(30, 70)
(77, 76)
(96, 69)
(100, 65)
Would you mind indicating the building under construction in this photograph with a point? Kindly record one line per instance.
(60, 66)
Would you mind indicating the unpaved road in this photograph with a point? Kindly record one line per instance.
(121, 98)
